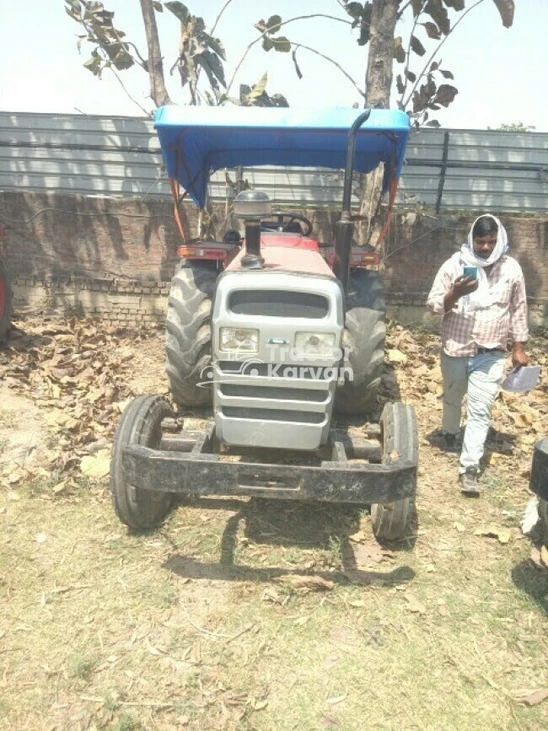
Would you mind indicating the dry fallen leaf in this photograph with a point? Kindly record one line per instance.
(534, 698)
(315, 583)
(413, 604)
(396, 356)
(96, 465)
(503, 534)
(337, 699)
(459, 526)
(544, 556)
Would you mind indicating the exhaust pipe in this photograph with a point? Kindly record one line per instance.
(345, 227)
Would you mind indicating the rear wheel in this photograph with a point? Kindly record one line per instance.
(543, 513)
(140, 424)
(392, 521)
(363, 342)
(188, 333)
(5, 302)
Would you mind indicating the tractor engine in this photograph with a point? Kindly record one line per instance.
(277, 326)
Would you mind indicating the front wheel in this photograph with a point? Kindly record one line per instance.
(140, 424)
(400, 441)
(188, 334)
(363, 343)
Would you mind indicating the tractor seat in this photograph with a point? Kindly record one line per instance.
(293, 227)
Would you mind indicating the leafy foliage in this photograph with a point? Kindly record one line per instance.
(199, 51)
(426, 90)
(110, 47)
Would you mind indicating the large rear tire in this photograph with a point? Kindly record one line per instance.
(399, 434)
(543, 514)
(140, 424)
(363, 342)
(188, 333)
(5, 302)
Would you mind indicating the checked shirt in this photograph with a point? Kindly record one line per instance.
(489, 327)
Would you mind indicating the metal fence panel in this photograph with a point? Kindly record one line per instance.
(120, 156)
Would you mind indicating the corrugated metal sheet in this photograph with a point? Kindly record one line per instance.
(120, 156)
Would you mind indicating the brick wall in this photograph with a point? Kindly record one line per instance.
(114, 257)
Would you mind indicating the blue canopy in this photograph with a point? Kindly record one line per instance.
(196, 141)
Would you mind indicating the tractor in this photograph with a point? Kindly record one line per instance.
(274, 330)
(539, 482)
(5, 301)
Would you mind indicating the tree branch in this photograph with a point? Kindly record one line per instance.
(427, 64)
(119, 80)
(264, 33)
(328, 58)
(408, 54)
(218, 18)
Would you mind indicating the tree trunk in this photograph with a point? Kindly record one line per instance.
(378, 84)
(378, 77)
(158, 91)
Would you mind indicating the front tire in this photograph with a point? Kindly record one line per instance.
(140, 424)
(392, 521)
(5, 302)
(188, 333)
(363, 343)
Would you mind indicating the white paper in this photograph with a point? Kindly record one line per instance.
(522, 380)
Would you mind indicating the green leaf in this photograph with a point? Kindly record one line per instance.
(411, 76)
(433, 123)
(446, 74)
(157, 6)
(417, 7)
(213, 67)
(278, 100)
(506, 9)
(439, 15)
(94, 65)
(179, 11)
(399, 84)
(432, 30)
(281, 44)
(455, 4)
(296, 65)
(215, 44)
(417, 47)
(399, 51)
(355, 10)
(445, 95)
(267, 44)
(259, 88)
(273, 24)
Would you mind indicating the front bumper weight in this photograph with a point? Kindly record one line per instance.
(200, 471)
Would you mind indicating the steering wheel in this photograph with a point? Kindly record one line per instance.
(282, 215)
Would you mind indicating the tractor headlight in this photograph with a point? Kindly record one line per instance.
(316, 344)
(239, 340)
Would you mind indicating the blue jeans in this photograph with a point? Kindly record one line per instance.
(479, 377)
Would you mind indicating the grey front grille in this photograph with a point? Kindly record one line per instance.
(303, 417)
(275, 370)
(278, 303)
(274, 392)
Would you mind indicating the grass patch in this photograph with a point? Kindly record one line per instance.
(270, 616)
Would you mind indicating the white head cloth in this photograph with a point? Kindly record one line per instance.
(480, 298)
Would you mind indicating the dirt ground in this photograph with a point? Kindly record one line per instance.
(255, 614)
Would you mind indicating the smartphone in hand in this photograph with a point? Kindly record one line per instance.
(470, 272)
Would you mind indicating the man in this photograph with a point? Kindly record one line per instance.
(483, 309)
